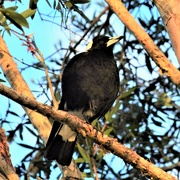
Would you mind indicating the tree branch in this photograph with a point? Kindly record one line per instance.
(169, 10)
(154, 52)
(87, 130)
(7, 170)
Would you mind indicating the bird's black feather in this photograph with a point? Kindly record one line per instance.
(90, 84)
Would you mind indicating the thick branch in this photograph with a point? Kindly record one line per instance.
(160, 59)
(88, 131)
(169, 10)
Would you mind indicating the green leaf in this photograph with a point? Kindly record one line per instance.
(157, 123)
(33, 7)
(127, 93)
(4, 23)
(1, 80)
(80, 1)
(33, 4)
(108, 131)
(28, 13)
(83, 153)
(148, 63)
(54, 5)
(48, 3)
(100, 155)
(13, 113)
(17, 19)
(93, 123)
(31, 131)
(13, 8)
(27, 146)
(69, 4)
(80, 160)
(113, 110)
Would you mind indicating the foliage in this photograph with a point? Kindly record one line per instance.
(145, 116)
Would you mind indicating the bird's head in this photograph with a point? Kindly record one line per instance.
(103, 42)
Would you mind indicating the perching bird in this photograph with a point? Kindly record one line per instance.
(90, 84)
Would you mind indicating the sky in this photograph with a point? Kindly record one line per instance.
(46, 35)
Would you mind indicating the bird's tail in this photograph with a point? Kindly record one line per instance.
(61, 143)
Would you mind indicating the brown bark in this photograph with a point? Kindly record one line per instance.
(170, 13)
(7, 170)
(87, 130)
(154, 52)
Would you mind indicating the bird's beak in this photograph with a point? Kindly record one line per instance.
(114, 40)
(89, 46)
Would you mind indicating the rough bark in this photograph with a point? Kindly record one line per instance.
(7, 171)
(87, 130)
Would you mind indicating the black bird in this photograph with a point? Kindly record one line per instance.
(90, 84)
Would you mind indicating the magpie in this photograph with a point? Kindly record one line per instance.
(90, 84)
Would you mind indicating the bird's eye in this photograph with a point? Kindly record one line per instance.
(101, 42)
